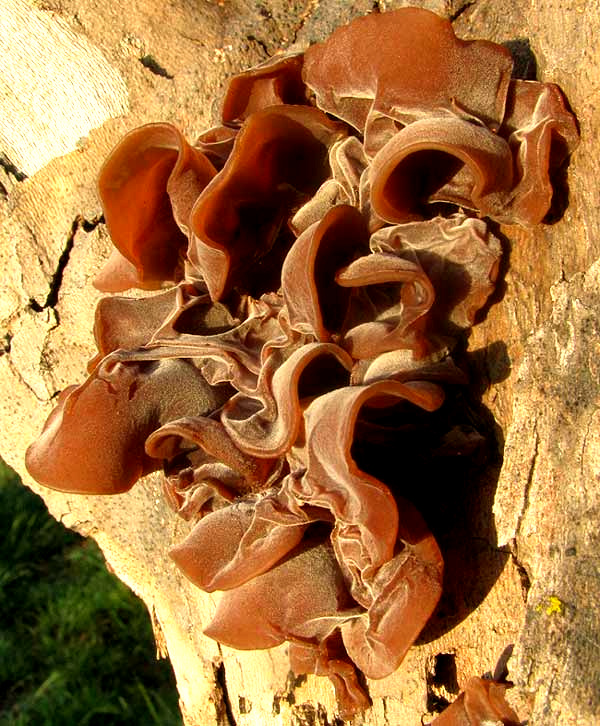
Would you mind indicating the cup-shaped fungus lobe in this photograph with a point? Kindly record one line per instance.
(93, 442)
(277, 81)
(318, 255)
(279, 157)
(541, 133)
(371, 526)
(315, 304)
(147, 186)
(440, 160)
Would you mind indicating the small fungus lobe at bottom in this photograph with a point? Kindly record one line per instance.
(314, 259)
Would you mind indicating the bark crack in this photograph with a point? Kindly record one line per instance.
(55, 283)
(288, 694)
(11, 169)
(385, 709)
(225, 709)
(513, 547)
(529, 482)
(261, 43)
(5, 343)
(462, 7)
(521, 570)
(21, 378)
(584, 444)
(154, 66)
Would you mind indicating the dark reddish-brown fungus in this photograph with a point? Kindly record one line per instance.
(317, 256)
(147, 186)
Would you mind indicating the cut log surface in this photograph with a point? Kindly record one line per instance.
(75, 75)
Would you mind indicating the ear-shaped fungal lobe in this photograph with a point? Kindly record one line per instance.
(204, 470)
(482, 702)
(407, 64)
(127, 323)
(183, 311)
(541, 133)
(216, 144)
(93, 441)
(175, 438)
(401, 365)
(224, 349)
(397, 295)
(268, 425)
(348, 166)
(275, 82)
(231, 546)
(379, 639)
(460, 258)
(147, 186)
(441, 160)
(315, 304)
(229, 356)
(370, 526)
(279, 157)
(302, 599)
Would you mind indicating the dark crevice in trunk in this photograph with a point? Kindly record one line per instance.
(221, 682)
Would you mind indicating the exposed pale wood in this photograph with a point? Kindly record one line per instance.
(75, 90)
(546, 501)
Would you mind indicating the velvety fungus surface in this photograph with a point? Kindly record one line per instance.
(315, 259)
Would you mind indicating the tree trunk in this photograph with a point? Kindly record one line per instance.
(78, 74)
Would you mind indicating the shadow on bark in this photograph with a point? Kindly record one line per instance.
(447, 464)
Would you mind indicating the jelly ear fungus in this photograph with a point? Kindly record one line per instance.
(315, 260)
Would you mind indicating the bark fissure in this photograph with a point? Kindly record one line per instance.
(14, 369)
(150, 63)
(11, 169)
(226, 708)
(261, 43)
(521, 570)
(5, 342)
(529, 482)
(460, 10)
(57, 278)
(288, 694)
(584, 444)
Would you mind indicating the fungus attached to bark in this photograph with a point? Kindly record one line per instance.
(318, 255)
(482, 702)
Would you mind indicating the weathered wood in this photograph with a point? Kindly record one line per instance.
(526, 536)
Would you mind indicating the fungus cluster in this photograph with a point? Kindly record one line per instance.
(315, 258)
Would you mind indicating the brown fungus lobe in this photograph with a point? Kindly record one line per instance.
(147, 186)
(322, 250)
(482, 702)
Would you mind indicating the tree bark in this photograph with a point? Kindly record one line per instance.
(76, 75)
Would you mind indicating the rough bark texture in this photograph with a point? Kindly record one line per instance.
(523, 551)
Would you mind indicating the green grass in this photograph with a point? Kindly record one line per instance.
(76, 646)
